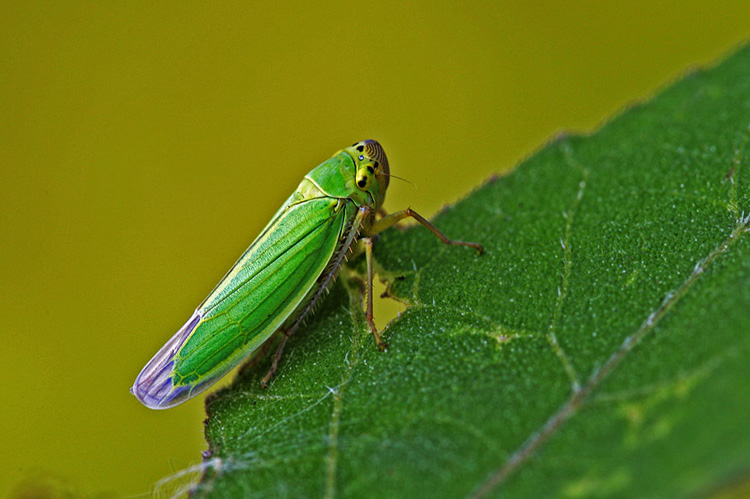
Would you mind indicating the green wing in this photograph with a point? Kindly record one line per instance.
(264, 289)
(272, 285)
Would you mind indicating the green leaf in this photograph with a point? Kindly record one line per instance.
(599, 347)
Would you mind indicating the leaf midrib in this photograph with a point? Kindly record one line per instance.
(579, 398)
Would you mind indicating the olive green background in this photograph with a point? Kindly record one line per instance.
(142, 147)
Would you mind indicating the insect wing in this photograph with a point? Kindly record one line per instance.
(264, 290)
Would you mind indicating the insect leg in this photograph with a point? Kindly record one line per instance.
(277, 356)
(258, 355)
(368, 314)
(394, 218)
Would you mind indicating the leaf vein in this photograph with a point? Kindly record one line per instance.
(569, 408)
(333, 430)
(565, 279)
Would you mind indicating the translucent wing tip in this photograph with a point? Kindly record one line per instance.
(154, 386)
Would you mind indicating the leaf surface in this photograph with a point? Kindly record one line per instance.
(598, 347)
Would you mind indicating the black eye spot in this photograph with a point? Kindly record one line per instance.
(376, 164)
(360, 148)
(362, 182)
(361, 158)
(370, 169)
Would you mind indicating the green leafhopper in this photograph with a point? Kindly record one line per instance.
(278, 279)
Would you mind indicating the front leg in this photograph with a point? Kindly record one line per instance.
(394, 218)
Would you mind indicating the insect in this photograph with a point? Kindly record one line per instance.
(278, 279)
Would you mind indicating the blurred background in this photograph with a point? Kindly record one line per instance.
(143, 146)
